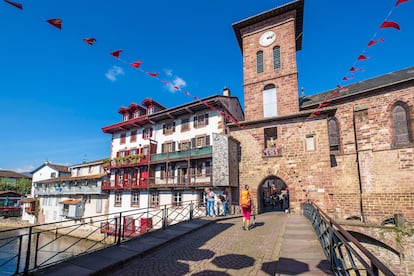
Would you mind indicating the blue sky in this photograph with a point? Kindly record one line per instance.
(57, 92)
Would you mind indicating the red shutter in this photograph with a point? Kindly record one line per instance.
(150, 132)
(143, 133)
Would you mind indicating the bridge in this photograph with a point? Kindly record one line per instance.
(277, 244)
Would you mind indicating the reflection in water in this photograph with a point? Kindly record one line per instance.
(50, 249)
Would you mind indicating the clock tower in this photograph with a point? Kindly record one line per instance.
(269, 42)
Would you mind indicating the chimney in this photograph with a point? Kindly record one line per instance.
(226, 92)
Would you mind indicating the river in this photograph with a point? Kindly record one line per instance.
(51, 249)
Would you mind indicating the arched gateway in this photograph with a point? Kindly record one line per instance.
(273, 195)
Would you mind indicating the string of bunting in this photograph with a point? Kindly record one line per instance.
(337, 92)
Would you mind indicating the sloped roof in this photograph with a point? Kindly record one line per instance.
(361, 87)
(12, 174)
(72, 178)
(59, 168)
(71, 201)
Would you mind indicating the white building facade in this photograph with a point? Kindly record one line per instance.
(163, 156)
(62, 192)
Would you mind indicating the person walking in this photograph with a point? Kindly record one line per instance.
(210, 202)
(246, 206)
(223, 198)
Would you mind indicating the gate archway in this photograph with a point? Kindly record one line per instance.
(273, 195)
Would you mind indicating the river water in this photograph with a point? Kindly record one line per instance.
(51, 248)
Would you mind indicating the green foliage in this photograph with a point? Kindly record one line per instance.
(400, 233)
(23, 187)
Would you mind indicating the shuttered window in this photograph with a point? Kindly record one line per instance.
(259, 62)
(269, 101)
(333, 132)
(276, 57)
(400, 124)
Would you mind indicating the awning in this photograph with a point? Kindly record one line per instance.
(71, 201)
(27, 200)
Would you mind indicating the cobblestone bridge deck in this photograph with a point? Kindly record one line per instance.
(279, 244)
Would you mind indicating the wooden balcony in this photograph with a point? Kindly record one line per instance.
(129, 184)
(183, 182)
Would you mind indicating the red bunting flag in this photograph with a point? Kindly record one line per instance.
(353, 69)
(187, 93)
(89, 40)
(176, 88)
(116, 53)
(56, 22)
(166, 82)
(390, 24)
(399, 2)
(153, 74)
(136, 64)
(362, 57)
(372, 42)
(17, 5)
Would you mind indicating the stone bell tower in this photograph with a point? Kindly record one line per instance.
(269, 42)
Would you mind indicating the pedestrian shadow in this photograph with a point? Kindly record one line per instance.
(233, 261)
(210, 272)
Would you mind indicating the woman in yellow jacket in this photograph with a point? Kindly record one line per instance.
(246, 206)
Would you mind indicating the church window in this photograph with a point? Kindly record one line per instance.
(269, 101)
(400, 121)
(333, 132)
(276, 57)
(259, 62)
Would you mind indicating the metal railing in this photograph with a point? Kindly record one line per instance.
(26, 249)
(347, 256)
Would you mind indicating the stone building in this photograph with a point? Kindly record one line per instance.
(350, 151)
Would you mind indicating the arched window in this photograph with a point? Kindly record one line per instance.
(269, 101)
(400, 124)
(276, 57)
(259, 62)
(333, 132)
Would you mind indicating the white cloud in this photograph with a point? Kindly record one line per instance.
(114, 72)
(176, 83)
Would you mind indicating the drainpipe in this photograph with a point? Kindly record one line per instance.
(358, 169)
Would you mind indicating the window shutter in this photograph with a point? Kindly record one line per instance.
(163, 128)
(276, 57)
(193, 143)
(269, 102)
(117, 154)
(195, 122)
(206, 119)
(150, 132)
(208, 140)
(259, 62)
(173, 126)
(172, 146)
(143, 133)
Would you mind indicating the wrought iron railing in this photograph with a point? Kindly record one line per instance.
(26, 249)
(347, 256)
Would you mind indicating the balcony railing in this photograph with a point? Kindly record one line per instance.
(140, 183)
(200, 180)
(120, 162)
(68, 190)
(183, 154)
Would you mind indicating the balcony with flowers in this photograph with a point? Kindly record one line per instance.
(126, 161)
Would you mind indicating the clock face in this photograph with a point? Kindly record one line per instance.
(267, 38)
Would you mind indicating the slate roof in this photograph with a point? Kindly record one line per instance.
(361, 87)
